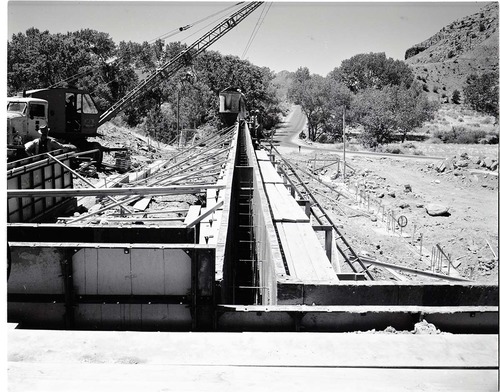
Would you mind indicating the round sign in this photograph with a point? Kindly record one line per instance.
(402, 221)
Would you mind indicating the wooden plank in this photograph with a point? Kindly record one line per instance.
(209, 231)
(261, 155)
(203, 215)
(283, 206)
(306, 259)
(142, 204)
(211, 197)
(193, 213)
(165, 190)
(269, 174)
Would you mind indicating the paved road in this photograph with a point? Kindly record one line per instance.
(287, 138)
(288, 134)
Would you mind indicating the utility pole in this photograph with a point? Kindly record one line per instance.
(178, 134)
(343, 134)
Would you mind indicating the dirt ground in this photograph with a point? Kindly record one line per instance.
(468, 233)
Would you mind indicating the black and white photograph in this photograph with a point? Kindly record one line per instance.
(240, 196)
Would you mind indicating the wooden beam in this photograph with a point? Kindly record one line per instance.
(370, 260)
(106, 245)
(199, 218)
(161, 190)
(82, 178)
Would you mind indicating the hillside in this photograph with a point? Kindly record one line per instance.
(466, 46)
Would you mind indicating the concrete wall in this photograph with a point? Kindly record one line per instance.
(267, 246)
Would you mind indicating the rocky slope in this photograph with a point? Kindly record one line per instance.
(466, 46)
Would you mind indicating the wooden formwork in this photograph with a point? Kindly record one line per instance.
(39, 172)
(124, 272)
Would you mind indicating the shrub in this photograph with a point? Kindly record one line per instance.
(461, 135)
(393, 150)
(455, 97)
(481, 93)
(425, 87)
(408, 145)
(489, 139)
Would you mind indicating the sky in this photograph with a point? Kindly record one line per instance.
(315, 35)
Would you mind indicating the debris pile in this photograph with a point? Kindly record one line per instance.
(421, 328)
(464, 161)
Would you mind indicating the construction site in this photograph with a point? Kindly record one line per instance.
(226, 263)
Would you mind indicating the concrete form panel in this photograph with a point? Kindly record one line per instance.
(143, 317)
(85, 272)
(166, 316)
(114, 271)
(177, 272)
(147, 271)
(387, 293)
(240, 321)
(37, 315)
(36, 271)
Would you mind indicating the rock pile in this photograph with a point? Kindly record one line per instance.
(451, 164)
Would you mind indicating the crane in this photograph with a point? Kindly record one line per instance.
(27, 114)
(182, 59)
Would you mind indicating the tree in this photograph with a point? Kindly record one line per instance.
(90, 60)
(372, 70)
(390, 110)
(311, 93)
(481, 93)
(339, 103)
(373, 110)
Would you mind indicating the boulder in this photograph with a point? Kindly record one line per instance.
(488, 162)
(462, 163)
(437, 210)
(392, 194)
(447, 164)
(494, 166)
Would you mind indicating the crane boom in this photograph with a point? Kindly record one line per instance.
(180, 60)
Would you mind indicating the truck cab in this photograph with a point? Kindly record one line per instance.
(72, 115)
(24, 117)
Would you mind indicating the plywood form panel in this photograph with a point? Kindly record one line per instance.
(283, 205)
(85, 272)
(261, 155)
(36, 271)
(269, 174)
(305, 257)
(113, 269)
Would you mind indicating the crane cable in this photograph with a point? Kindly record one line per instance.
(227, 12)
(256, 29)
(188, 26)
